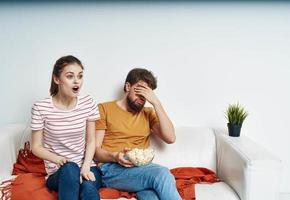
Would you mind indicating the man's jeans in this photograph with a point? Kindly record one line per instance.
(150, 182)
(66, 181)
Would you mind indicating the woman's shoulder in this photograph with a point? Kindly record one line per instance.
(42, 106)
(46, 102)
(85, 98)
(86, 101)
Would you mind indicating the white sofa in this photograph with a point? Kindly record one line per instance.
(247, 171)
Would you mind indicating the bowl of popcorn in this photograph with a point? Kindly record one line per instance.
(140, 157)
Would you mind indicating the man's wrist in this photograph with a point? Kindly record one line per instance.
(157, 103)
(115, 156)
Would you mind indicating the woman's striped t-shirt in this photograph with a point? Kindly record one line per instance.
(64, 131)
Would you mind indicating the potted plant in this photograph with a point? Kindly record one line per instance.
(235, 115)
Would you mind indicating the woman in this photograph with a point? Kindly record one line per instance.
(63, 134)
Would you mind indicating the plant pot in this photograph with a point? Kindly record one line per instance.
(234, 130)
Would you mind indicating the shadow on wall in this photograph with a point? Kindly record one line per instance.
(119, 92)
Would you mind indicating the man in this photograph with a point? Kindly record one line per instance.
(127, 124)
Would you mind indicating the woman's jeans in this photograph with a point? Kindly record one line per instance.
(150, 182)
(66, 181)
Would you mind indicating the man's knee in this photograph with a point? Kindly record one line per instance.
(161, 170)
(163, 174)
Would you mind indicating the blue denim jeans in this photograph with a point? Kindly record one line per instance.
(66, 181)
(150, 182)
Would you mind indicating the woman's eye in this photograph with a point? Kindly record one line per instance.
(69, 76)
(80, 76)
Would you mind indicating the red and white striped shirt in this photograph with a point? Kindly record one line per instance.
(64, 131)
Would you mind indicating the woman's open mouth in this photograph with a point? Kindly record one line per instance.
(76, 89)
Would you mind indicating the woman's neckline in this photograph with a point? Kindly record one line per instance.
(64, 110)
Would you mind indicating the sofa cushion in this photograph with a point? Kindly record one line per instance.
(216, 191)
(194, 147)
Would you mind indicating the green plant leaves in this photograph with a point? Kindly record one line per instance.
(236, 114)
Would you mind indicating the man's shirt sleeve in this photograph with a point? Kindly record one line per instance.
(101, 124)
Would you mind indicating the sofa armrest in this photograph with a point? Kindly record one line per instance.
(248, 168)
(11, 137)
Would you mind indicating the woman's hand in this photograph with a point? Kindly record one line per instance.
(61, 161)
(87, 174)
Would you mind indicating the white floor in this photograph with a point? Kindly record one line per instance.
(284, 196)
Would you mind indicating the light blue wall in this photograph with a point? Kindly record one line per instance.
(205, 55)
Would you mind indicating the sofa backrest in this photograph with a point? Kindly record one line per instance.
(11, 137)
(194, 147)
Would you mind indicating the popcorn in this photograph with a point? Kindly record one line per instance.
(140, 157)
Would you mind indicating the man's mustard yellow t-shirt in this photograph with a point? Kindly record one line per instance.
(123, 128)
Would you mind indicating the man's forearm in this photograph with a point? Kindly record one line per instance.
(166, 132)
(102, 155)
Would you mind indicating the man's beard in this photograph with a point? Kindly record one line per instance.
(134, 107)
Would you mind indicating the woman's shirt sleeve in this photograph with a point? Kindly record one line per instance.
(37, 122)
(94, 112)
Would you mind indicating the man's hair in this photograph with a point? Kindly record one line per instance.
(141, 74)
(58, 68)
